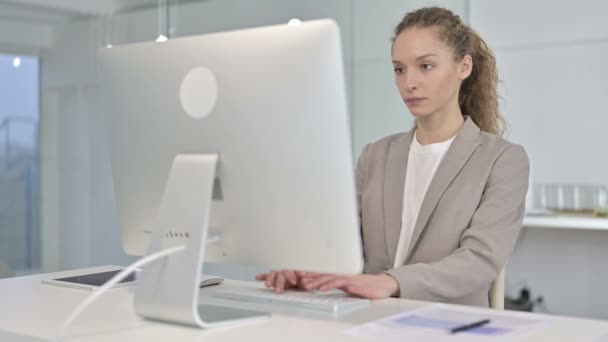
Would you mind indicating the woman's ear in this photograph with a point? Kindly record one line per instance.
(466, 67)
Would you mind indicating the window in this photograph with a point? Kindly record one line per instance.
(19, 164)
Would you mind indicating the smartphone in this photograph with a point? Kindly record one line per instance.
(91, 281)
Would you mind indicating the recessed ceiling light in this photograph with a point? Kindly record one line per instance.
(294, 22)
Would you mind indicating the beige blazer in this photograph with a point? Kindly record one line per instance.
(468, 223)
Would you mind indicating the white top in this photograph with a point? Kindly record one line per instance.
(422, 163)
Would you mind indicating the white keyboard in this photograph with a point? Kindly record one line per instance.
(324, 301)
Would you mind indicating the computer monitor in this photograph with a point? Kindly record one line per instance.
(271, 102)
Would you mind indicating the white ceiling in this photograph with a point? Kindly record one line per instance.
(29, 24)
(80, 7)
(43, 15)
(61, 11)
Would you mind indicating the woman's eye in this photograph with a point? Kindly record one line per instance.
(398, 70)
(427, 66)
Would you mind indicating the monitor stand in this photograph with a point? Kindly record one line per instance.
(168, 289)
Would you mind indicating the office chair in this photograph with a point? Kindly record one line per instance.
(497, 296)
(5, 270)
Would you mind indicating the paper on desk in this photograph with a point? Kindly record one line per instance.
(433, 324)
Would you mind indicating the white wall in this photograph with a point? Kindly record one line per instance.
(551, 57)
(566, 267)
(25, 35)
(69, 158)
(552, 64)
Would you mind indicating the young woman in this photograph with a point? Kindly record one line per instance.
(441, 205)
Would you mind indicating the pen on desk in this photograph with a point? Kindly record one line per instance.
(469, 326)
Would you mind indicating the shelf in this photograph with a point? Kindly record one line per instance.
(558, 222)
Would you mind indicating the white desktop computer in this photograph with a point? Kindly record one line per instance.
(267, 108)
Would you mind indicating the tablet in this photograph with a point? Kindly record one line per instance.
(91, 281)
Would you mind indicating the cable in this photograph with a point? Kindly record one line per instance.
(540, 301)
(114, 280)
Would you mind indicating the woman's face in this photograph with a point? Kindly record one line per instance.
(426, 73)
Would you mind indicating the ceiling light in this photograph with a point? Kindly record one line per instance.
(294, 22)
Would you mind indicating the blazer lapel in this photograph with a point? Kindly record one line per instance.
(394, 180)
(459, 153)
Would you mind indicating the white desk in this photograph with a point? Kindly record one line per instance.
(31, 311)
(560, 222)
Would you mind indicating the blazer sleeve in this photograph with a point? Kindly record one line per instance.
(485, 245)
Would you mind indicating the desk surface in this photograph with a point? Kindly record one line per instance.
(31, 311)
(561, 222)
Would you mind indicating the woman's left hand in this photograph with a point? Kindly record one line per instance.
(362, 285)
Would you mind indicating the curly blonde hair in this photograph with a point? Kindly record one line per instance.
(478, 95)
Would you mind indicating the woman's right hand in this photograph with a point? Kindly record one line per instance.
(281, 280)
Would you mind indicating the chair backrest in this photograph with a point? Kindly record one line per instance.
(497, 297)
(5, 270)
